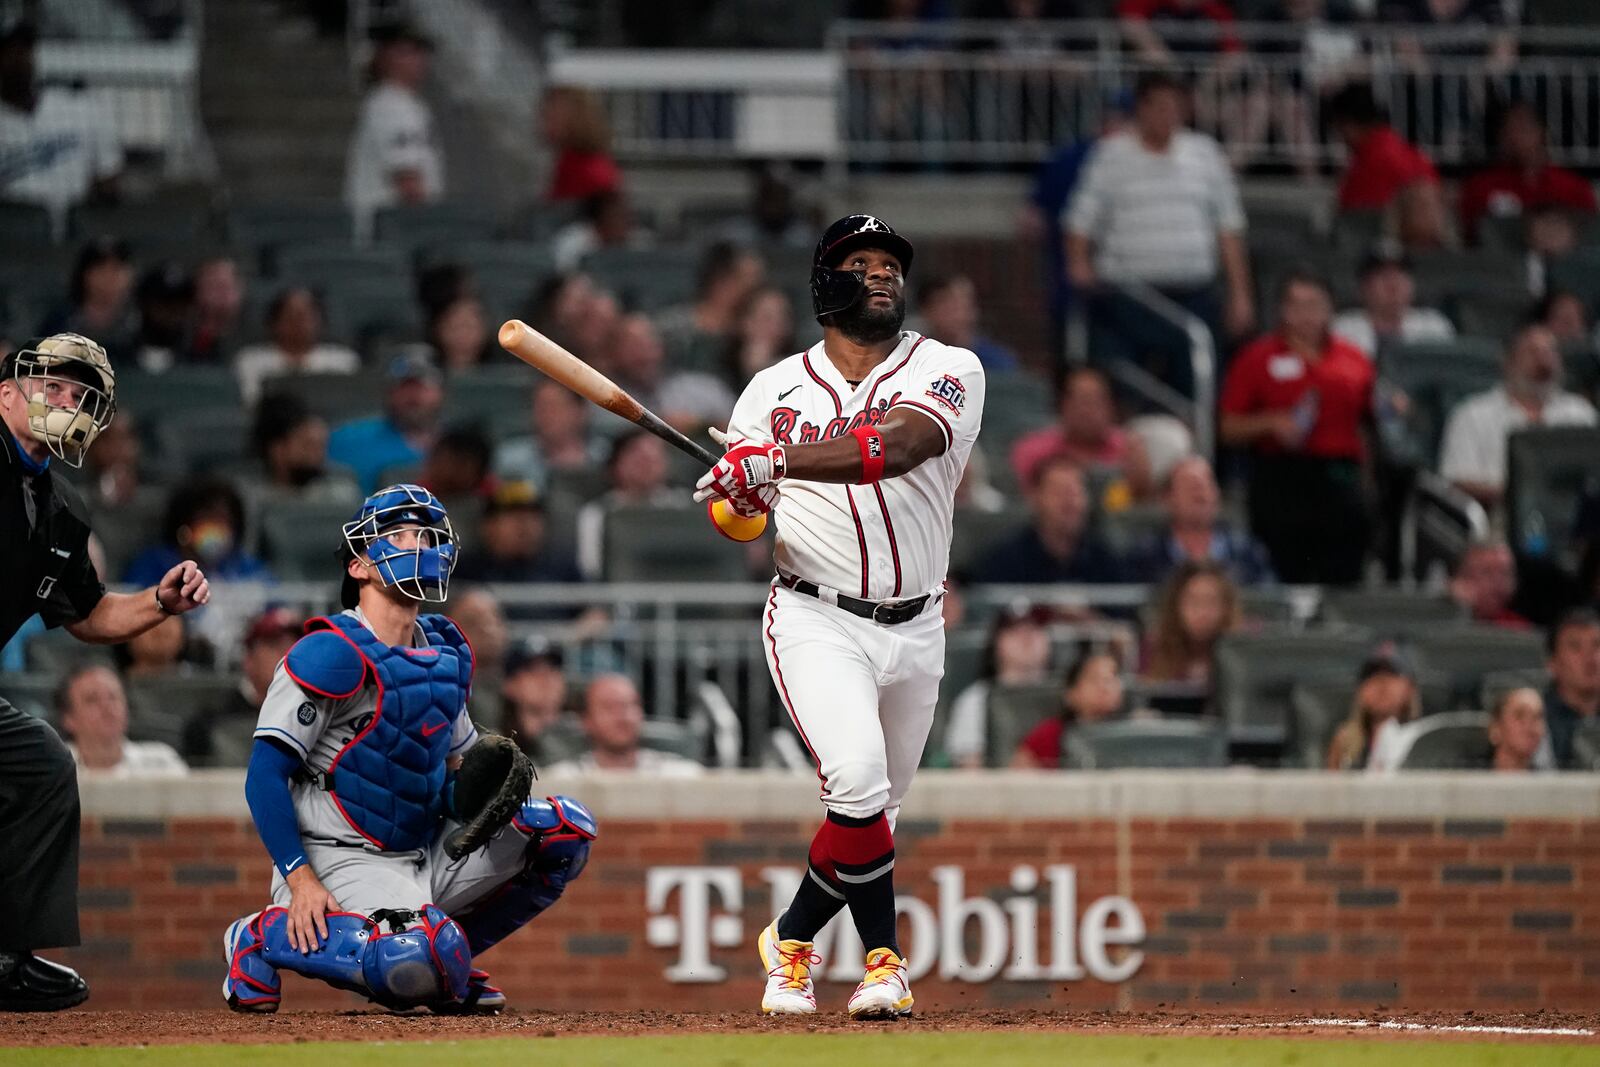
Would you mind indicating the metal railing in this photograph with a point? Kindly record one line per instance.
(1438, 524)
(1198, 413)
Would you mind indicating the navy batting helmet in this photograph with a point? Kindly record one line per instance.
(834, 290)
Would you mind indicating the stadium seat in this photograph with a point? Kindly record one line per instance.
(1495, 684)
(337, 398)
(679, 738)
(1586, 746)
(181, 390)
(56, 651)
(1454, 741)
(1582, 365)
(1358, 231)
(31, 693)
(23, 224)
(158, 707)
(1391, 612)
(1578, 273)
(369, 313)
(645, 279)
(1014, 404)
(185, 212)
(975, 532)
(1269, 604)
(1549, 471)
(328, 264)
(265, 227)
(1465, 654)
(494, 398)
(1437, 376)
(1168, 743)
(301, 540)
(1487, 314)
(1316, 708)
(125, 530)
(1256, 671)
(1122, 531)
(506, 274)
(204, 440)
(418, 226)
(646, 544)
(1013, 712)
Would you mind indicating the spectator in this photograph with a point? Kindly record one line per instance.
(204, 522)
(533, 700)
(1523, 178)
(573, 125)
(458, 333)
(613, 718)
(1473, 455)
(1384, 173)
(1158, 205)
(221, 736)
(1387, 314)
(1087, 434)
(773, 219)
(99, 307)
(1018, 653)
(1565, 315)
(688, 399)
(606, 221)
(695, 333)
(218, 303)
(295, 320)
(1517, 731)
(291, 445)
(458, 465)
(1549, 234)
(513, 543)
(1494, 51)
(636, 476)
(1197, 607)
(478, 614)
(157, 653)
(93, 709)
(948, 304)
(1320, 43)
(1386, 699)
(60, 144)
(1057, 546)
(1298, 399)
(165, 299)
(1485, 584)
(559, 438)
(1205, 26)
(1572, 697)
(406, 430)
(976, 491)
(114, 464)
(1093, 694)
(763, 334)
(394, 155)
(578, 313)
(1196, 532)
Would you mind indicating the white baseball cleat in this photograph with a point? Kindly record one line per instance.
(788, 964)
(885, 993)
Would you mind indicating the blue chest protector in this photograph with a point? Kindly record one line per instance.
(387, 780)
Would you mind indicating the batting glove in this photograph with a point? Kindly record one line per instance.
(759, 501)
(741, 470)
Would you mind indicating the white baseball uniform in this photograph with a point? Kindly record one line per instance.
(862, 694)
(361, 877)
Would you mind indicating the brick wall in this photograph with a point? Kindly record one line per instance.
(1319, 913)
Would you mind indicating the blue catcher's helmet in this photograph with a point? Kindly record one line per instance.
(421, 569)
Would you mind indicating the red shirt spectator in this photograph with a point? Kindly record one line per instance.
(1382, 166)
(1093, 694)
(581, 175)
(1267, 375)
(1087, 434)
(1524, 180)
(573, 125)
(1196, 11)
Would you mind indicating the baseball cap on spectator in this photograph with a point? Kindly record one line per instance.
(1384, 254)
(274, 621)
(511, 496)
(1387, 659)
(413, 364)
(534, 651)
(400, 30)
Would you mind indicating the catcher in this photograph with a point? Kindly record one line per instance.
(405, 844)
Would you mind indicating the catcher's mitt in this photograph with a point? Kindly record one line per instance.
(490, 787)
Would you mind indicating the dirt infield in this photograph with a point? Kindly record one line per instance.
(86, 1028)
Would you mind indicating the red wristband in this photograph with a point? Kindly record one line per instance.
(870, 442)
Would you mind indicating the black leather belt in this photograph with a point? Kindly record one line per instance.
(882, 612)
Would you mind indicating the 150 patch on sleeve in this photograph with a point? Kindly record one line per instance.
(949, 391)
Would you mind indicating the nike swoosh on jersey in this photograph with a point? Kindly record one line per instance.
(435, 728)
(787, 391)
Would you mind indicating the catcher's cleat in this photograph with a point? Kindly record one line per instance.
(252, 984)
(481, 999)
(884, 993)
(788, 964)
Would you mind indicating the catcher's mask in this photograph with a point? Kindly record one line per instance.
(48, 372)
(420, 568)
(835, 290)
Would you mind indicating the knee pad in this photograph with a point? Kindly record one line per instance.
(423, 958)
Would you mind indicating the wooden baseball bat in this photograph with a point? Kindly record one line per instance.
(544, 355)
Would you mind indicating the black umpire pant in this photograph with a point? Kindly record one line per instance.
(38, 835)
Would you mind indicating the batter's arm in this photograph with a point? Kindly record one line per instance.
(910, 439)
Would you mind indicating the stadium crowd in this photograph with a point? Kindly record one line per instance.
(268, 384)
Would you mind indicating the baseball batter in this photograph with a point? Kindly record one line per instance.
(857, 446)
(370, 788)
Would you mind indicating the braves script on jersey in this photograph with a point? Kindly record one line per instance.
(881, 541)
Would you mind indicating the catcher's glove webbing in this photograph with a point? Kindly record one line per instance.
(490, 788)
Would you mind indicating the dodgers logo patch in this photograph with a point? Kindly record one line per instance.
(307, 713)
(949, 391)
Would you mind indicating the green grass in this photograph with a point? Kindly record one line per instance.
(924, 1050)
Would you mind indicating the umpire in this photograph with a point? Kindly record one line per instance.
(55, 398)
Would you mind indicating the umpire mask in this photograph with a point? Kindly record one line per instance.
(70, 390)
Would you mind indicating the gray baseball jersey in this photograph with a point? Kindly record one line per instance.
(317, 728)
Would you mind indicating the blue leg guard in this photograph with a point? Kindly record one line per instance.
(561, 830)
(423, 959)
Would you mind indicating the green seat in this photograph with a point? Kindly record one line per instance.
(1496, 684)
(325, 264)
(203, 440)
(1455, 741)
(495, 398)
(1316, 708)
(975, 532)
(1014, 405)
(158, 707)
(678, 738)
(152, 397)
(270, 225)
(1586, 746)
(1255, 673)
(338, 398)
(1013, 712)
(417, 226)
(302, 540)
(125, 530)
(506, 273)
(1549, 471)
(1165, 743)
(667, 544)
(1578, 273)
(1268, 604)
(370, 312)
(1464, 655)
(646, 279)
(24, 224)
(1391, 612)
(32, 694)
(187, 213)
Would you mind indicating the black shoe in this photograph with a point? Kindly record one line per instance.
(28, 983)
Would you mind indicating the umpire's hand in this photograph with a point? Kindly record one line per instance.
(183, 588)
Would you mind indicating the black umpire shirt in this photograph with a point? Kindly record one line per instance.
(44, 564)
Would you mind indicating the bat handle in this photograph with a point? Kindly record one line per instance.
(650, 421)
